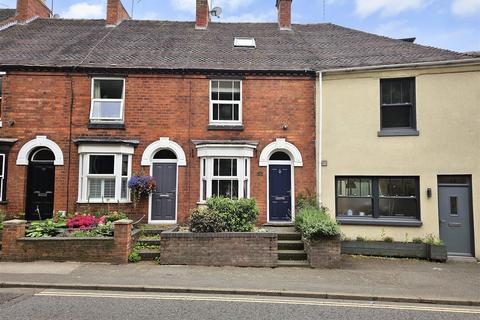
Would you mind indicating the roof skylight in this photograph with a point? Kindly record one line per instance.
(244, 42)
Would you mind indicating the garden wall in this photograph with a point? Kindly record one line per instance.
(242, 249)
(17, 247)
(323, 253)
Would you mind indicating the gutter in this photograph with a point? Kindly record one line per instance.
(445, 63)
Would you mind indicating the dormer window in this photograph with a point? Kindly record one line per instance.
(108, 95)
(244, 42)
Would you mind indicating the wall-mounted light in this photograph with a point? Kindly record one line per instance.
(429, 192)
(11, 123)
(285, 126)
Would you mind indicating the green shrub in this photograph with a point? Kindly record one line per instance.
(225, 215)
(134, 256)
(41, 229)
(115, 216)
(417, 240)
(388, 239)
(316, 224)
(306, 200)
(2, 218)
(432, 240)
(206, 220)
(360, 238)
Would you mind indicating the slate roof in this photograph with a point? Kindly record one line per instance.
(6, 13)
(177, 45)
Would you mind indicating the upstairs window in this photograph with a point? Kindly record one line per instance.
(108, 97)
(398, 104)
(2, 176)
(226, 102)
(1, 94)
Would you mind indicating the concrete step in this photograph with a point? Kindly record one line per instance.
(149, 254)
(292, 255)
(294, 263)
(290, 245)
(149, 242)
(289, 236)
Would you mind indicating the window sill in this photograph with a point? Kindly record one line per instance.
(398, 132)
(3, 202)
(379, 222)
(231, 127)
(104, 202)
(103, 125)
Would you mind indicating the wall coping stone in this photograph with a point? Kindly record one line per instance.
(14, 222)
(123, 221)
(223, 235)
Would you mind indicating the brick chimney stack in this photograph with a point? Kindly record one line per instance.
(284, 8)
(203, 15)
(116, 12)
(28, 9)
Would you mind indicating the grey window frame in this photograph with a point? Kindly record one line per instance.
(399, 131)
(375, 218)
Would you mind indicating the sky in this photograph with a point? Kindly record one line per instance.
(449, 24)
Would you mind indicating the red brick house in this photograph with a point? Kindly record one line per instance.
(205, 108)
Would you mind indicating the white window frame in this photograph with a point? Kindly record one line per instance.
(2, 176)
(239, 102)
(84, 176)
(2, 74)
(122, 103)
(242, 177)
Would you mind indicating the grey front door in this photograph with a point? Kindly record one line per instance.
(164, 199)
(455, 214)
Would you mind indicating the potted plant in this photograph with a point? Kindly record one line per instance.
(321, 237)
(141, 186)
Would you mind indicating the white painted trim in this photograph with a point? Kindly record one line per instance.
(292, 190)
(150, 221)
(319, 133)
(2, 73)
(239, 102)
(163, 143)
(281, 145)
(39, 141)
(227, 150)
(106, 148)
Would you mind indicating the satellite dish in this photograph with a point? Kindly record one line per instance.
(216, 12)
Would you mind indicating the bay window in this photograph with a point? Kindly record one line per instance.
(104, 177)
(108, 95)
(225, 177)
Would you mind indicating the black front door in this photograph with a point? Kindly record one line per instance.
(280, 193)
(40, 191)
(164, 199)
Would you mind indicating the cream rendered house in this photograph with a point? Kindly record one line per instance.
(399, 151)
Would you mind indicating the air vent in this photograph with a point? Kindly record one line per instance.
(244, 43)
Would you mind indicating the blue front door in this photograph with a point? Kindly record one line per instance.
(280, 193)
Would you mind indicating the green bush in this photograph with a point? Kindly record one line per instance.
(206, 220)
(225, 215)
(417, 240)
(306, 200)
(316, 224)
(2, 218)
(134, 257)
(433, 240)
(44, 229)
(115, 216)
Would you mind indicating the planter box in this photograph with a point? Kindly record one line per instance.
(437, 253)
(242, 249)
(17, 247)
(324, 253)
(386, 249)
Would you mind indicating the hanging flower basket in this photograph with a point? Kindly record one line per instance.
(141, 187)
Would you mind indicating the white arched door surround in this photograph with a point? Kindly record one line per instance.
(163, 143)
(39, 141)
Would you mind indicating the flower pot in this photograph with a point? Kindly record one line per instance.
(437, 252)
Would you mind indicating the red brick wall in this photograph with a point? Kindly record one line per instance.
(156, 106)
(284, 13)
(219, 249)
(202, 14)
(27, 9)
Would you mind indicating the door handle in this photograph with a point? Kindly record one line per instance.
(442, 221)
(165, 195)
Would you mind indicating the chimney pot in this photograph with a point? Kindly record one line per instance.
(28, 9)
(116, 12)
(284, 8)
(202, 14)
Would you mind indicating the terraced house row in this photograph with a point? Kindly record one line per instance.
(385, 132)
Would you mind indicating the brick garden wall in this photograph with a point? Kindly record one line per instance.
(325, 253)
(219, 249)
(16, 247)
(156, 106)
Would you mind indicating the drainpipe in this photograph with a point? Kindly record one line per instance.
(319, 132)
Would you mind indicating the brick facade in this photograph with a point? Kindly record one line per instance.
(324, 253)
(155, 106)
(219, 249)
(15, 247)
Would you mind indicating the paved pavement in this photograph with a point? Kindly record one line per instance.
(359, 278)
(74, 304)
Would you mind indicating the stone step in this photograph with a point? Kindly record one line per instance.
(149, 254)
(294, 263)
(292, 255)
(149, 241)
(290, 245)
(289, 236)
